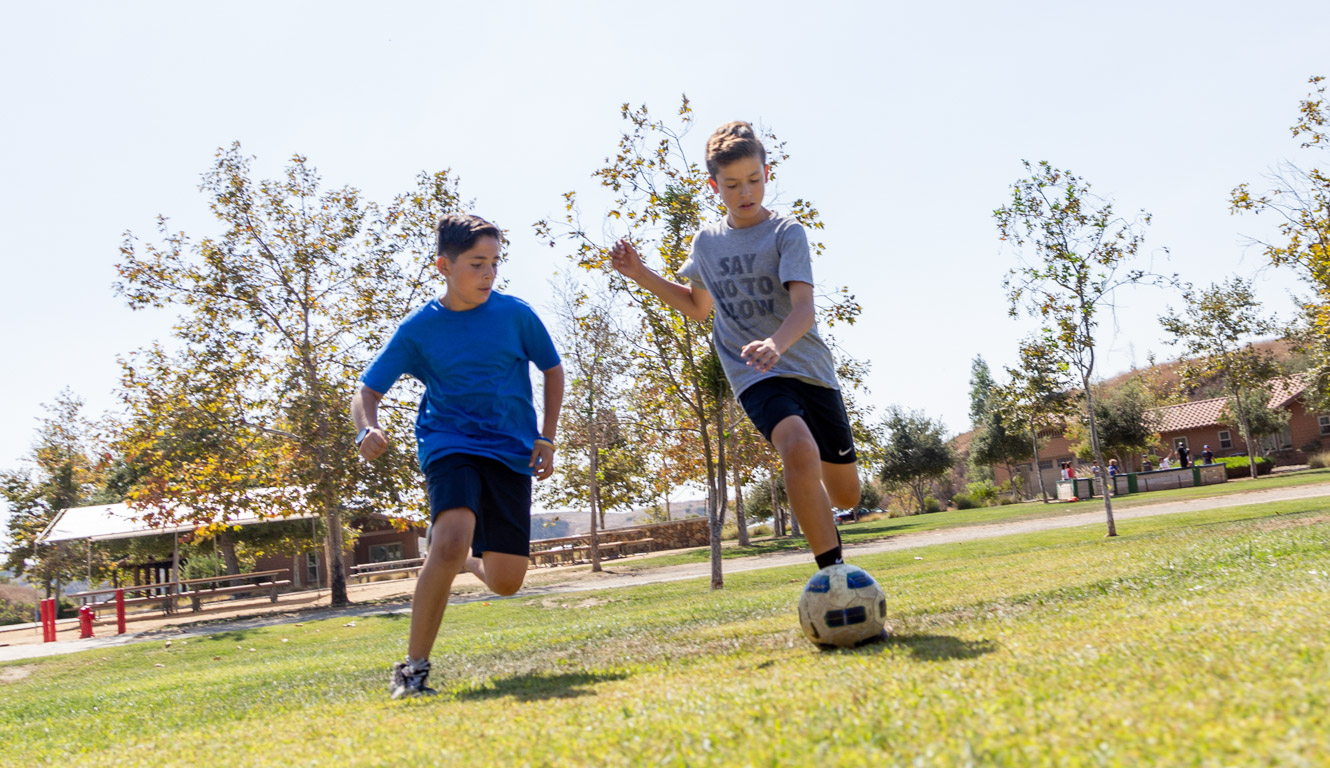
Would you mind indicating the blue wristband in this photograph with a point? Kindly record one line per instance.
(543, 439)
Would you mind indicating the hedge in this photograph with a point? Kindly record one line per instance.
(1238, 466)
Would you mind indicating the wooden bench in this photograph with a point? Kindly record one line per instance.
(270, 584)
(388, 567)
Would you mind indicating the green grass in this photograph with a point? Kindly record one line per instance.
(1190, 639)
(856, 533)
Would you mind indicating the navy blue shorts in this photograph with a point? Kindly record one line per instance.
(499, 497)
(771, 401)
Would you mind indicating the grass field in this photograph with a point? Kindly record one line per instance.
(855, 533)
(1191, 639)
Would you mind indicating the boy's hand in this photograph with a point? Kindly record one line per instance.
(762, 355)
(626, 261)
(374, 444)
(542, 459)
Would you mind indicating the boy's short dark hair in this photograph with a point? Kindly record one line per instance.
(459, 231)
(730, 142)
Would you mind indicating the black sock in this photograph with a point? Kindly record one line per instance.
(830, 557)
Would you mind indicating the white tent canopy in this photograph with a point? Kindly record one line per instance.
(104, 522)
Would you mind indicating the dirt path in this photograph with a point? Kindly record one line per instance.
(394, 596)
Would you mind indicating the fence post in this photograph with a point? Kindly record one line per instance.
(120, 611)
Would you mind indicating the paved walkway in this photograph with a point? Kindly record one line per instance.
(555, 582)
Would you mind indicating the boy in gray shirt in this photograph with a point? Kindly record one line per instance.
(753, 267)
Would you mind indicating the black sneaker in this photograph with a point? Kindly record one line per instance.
(409, 680)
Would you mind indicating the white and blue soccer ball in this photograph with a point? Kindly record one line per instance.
(842, 605)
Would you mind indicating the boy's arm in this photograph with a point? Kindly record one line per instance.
(542, 455)
(765, 353)
(692, 301)
(365, 414)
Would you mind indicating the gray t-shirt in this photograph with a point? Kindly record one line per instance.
(747, 272)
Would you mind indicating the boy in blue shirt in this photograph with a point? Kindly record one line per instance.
(756, 265)
(476, 435)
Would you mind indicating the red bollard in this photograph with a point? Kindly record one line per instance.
(120, 611)
(85, 621)
(48, 620)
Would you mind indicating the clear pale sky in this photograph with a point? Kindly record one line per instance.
(906, 123)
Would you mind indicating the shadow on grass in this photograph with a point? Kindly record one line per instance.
(934, 647)
(234, 636)
(538, 687)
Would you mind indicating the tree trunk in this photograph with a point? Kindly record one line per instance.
(739, 519)
(1246, 430)
(1039, 472)
(719, 483)
(594, 451)
(333, 547)
(228, 547)
(1099, 457)
(777, 520)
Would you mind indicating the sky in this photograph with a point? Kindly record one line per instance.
(906, 125)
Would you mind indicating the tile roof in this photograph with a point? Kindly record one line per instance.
(1205, 413)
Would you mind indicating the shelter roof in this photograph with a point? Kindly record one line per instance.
(103, 522)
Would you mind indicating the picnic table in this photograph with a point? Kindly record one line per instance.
(570, 549)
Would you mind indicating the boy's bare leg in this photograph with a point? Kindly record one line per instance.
(842, 483)
(449, 548)
(803, 482)
(504, 573)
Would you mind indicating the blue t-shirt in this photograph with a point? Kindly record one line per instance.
(475, 368)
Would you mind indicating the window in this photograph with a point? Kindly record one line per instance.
(312, 569)
(1225, 439)
(385, 553)
(1324, 423)
(1045, 463)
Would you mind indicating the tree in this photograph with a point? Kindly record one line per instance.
(981, 391)
(1125, 421)
(1081, 251)
(1253, 405)
(63, 475)
(1037, 395)
(1300, 200)
(661, 196)
(1216, 329)
(916, 452)
(596, 360)
(282, 311)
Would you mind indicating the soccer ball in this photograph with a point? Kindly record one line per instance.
(843, 606)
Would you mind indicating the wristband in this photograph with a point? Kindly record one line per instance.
(543, 439)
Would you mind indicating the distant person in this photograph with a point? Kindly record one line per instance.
(1184, 456)
(1113, 468)
(1095, 470)
(1146, 464)
(476, 433)
(1163, 463)
(1207, 455)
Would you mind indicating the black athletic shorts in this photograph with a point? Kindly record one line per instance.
(770, 401)
(500, 498)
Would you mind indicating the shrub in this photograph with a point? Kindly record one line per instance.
(931, 504)
(983, 493)
(1319, 460)
(1005, 500)
(1239, 466)
(964, 501)
(760, 530)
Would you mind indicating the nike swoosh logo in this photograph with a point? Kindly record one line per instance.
(847, 450)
